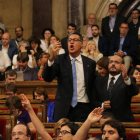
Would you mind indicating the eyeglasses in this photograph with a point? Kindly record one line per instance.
(9, 94)
(116, 62)
(112, 8)
(63, 132)
(124, 27)
(20, 133)
(24, 45)
(74, 40)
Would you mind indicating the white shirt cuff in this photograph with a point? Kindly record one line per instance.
(128, 82)
(102, 106)
(50, 63)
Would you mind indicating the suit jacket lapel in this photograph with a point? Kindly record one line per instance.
(118, 82)
(108, 24)
(69, 67)
(105, 84)
(116, 23)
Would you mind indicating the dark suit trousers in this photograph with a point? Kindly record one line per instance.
(79, 113)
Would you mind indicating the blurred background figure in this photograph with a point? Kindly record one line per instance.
(135, 72)
(85, 40)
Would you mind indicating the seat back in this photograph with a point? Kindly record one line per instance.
(2, 127)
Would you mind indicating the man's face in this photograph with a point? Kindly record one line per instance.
(22, 65)
(74, 45)
(91, 19)
(65, 133)
(71, 29)
(112, 10)
(19, 133)
(110, 133)
(115, 64)
(1, 34)
(124, 29)
(5, 39)
(102, 121)
(11, 79)
(135, 14)
(9, 93)
(95, 31)
(18, 32)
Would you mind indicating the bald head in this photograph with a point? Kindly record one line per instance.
(91, 19)
(6, 38)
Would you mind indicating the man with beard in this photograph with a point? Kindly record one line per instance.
(114, 92)
(29, 74)
(86, 29)
(19, 36)
(71, 28)
(100, 41)
(1, 33)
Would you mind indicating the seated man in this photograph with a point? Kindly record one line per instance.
(21, 131)
(124, 45)
(29, 74)
(9, 90)
(10, 76)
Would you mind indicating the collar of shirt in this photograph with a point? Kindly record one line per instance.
(78, 58)
(6, 48)
(116, 77)
(28, 68)
(96, 40)
(114, 17)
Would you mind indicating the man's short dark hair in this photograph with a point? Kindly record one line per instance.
(28, 132)
(72, 25)
(118, 126)
(2, 30)
(81, 38)
(114, 4)
(106, 115)
(10, 87)
(48, 29)
(10, 73)
(95, 26)
(20, 28)
(124, 23)
(136, 10)
(23, 56)
(74, 127)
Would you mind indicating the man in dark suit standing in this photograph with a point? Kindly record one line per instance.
(114, 92)
(111, 23)
(75, 75)
(124, 45)
(101, 42)
(6, 48)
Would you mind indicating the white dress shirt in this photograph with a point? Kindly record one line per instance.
(5, 50)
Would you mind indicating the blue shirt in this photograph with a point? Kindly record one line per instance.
(112, 23)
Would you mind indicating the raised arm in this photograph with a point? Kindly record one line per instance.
(36, 122)
(93, 117)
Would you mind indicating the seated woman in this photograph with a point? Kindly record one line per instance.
(35, 42)
(135, 72)
(85, 40)
(102, 66)
(57, 126)
(41, 94)
(54, 40)
(91, 49)
(23, 46)
(47, 32)
(14, 104)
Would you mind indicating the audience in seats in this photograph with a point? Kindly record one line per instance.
(117, 90)
(23, 46)
(92, 49)
(124, 45)
(57, 126)
(41, 94)
(85, 41)
(29, 74)
(111, 23)
(19, 36)
(101, 42)
(14, 104)
(86, 29)
(71, 28)
(6, 47)
(42, 64)
(35, 42)
(1, 33)
(55, 41)
(22, 132)
(9, 90)
(135, 72)
(47, 32)
(102, 66)
(10, 76)
(74, 92)
(134, 24)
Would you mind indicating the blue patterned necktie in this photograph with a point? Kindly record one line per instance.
(74, 98)
(111, 84)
